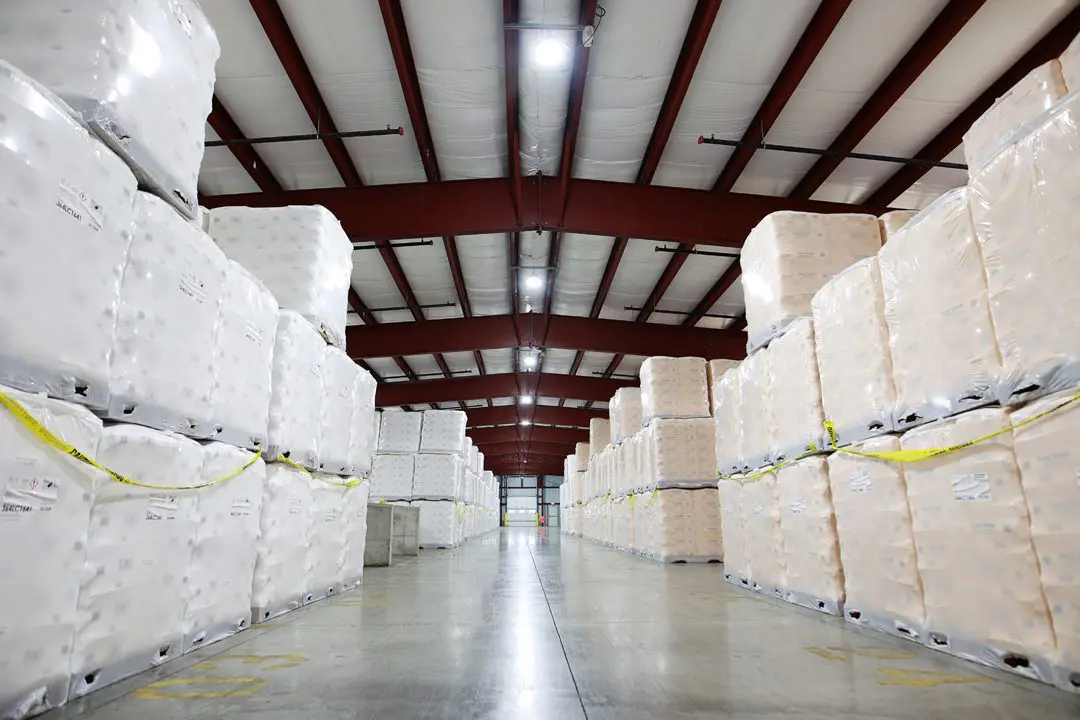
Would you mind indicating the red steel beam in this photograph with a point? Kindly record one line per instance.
(288, 52)
(942, 30)
(514, 467)
(1049, 47)
(540, 415)
(496, 386)
(594, 207)
(713, 296)
(528, 457)
(536, 433)
(573, 106)
(566, 332)
(511, 59)
(530, 446)
(246, 155)
(811, 42)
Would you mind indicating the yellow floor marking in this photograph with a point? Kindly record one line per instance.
(235, 687)
(277, 662)
(925, 678)
(874, 652)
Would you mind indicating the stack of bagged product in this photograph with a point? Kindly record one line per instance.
(116, 298)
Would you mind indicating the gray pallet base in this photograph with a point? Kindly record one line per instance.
(201, 637)
(88, 680)
(1017, 663)
(277, 609)
(890, 626)
(812, 602)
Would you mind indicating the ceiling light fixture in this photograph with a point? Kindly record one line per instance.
(534, 282)
(529, 361)
(551, 53)
(526, 422)
(526, 399)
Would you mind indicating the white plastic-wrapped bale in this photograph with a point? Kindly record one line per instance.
(399, 431)
(296, 398)
(581, 454)
(392, 477)
(471, 454)
(480, 462)
(893, 221)
(300, 252)
(223, 558)
(599, 435)
(733, 532)
(1048, 455)
(163, 360)
(284, 537)
(625, 413)
(1033, 95)
(944, 356)
(243, 360)
(795, 392)
(973, 540)
(67, 226)
(365, 421)
(727, 409)
(325, 558)
(134, 591)
(687, 526)
(789, 256)
(354, 521)
(438, 523)
(1070, 65)
(852, 347)
(755, 409)
(339, 378)
(684, 452)
(815, 578)
(764, 540)
(45, 512)
(1025, 214)
(437, 476)
(140, 72)
(881, 576)
(443, 432)
(714, 370)
(673, 388)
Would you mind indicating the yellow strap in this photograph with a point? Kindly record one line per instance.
(324, 478)
(45, 435)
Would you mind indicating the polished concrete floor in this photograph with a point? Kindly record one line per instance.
(524, 624)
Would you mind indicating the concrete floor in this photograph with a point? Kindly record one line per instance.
(524, 624)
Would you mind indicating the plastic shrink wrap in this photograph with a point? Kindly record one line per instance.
(437, 476)
(673, 388)
(795, 392)
(684, 452)
(891, 222)
(354, 527)
(443, 432)
(877, 549)
(764, 540)
(1048, 455)
(687, 526)
(625, 413)
(852, 346)
(324, 562)
(733, 531)
(67, 226)
(399, 431)
(814, 575)
(223, 558)
(480, 462)
(364, 431)
(392, 477)
(437, 523)
(1023, 204)
(714, 370)
(973, 540)
(296, 397)
(140, 72)
(1026, 100)
(789, 256)
(755, 410)
(300, 252)
(471, 455)
(163, 359)
(727, 408)
(944, 356)
(45, 510)
(284, 538)
(243, 359)
(599, 436)
(581, 453)
(339, 379)
(135, 584)
(1070, 65)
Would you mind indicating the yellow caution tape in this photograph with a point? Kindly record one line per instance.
(46, 436)
(324, 478)
(904, 456)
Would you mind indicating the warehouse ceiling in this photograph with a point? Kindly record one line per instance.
(544, 201)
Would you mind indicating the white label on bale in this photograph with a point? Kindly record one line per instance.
(799, 506)
(79, 206)
(162, 507)
(241, 506)
(296, 506)
(25, 496)
(860, 482)
(192, 285)
(972, 487)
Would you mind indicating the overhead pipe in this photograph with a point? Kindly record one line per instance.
(270, 139)
(924, 162)
(679, 250)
